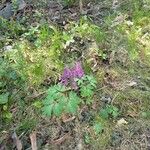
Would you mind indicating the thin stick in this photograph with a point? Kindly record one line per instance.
(81, 6)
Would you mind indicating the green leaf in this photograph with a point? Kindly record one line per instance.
(115, 109)
(92, 80)
(144, 114)
(87, 138)
(89, 101)
(37, 104)
(4, 98)
(86, 91)
(2, 84)
(55, 100)
(115, 112)
(98, 128)
(73, 97)
(79, 81)
(57, 109)
(59, 88)
(52, 91)
(72, 105)
(8, 115)
(104, 114)
(110, 110)
(63, 100)
(5, 107)
(47, 110)
(12, 75)
(52, 95)
(48, 100)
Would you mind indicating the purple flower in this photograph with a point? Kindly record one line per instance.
(67, 73)
(78, 70)
(64, 82)
(65, 76)
(70, 74)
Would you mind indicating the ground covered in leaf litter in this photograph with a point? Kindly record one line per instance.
(120, 83)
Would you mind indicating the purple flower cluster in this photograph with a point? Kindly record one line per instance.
(70, 74)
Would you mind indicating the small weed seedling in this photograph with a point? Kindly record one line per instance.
(109, 112)
(98, 128)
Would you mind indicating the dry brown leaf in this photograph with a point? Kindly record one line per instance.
(33, 140)
(17, 141)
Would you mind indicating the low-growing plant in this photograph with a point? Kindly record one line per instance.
(44, 33)
(109, 111)
(98, 128)
(87, 138)
(135, 34)
(11, 29)
(65, 97)
(15, 5)
(9, 81)
(31, 33)
(86, 29)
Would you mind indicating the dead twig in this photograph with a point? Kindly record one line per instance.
(17, 141)
(81, 6)
(33, 140)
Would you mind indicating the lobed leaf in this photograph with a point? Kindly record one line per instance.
(47, 110)
(57, 109)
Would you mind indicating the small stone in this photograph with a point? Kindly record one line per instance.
(8, 11)
(106, 99)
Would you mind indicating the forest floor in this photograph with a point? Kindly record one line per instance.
(111, 40)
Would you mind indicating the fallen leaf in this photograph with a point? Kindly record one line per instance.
(121, 122)
(17, 141)
(33, 140)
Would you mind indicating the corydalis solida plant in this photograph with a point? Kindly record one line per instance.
(70, 74)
